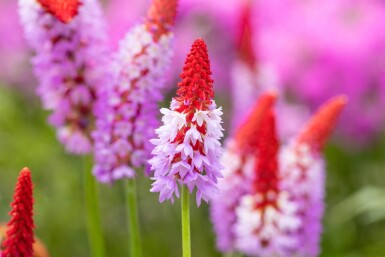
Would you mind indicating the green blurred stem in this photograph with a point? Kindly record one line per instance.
(94, 225)
(186, 240)
(133, 220)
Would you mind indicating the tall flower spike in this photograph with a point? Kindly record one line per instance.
(304, 172)
(323, 122)
(266, 216)
(187, 149)
(71, 66)
(127, 121)
(64, 10)
(238, 161)
(20, 237)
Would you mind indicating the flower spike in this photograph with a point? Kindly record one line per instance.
(20, 237)
(64, 10)
(246, 137)
(71, 64)
(266, 216)
(322, 123)
(127, 121)
(188, 149)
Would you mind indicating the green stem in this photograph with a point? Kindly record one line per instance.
(186, 241)
(94, 225)
(133, 220)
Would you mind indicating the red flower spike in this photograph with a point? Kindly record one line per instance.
(161, 16)
(195, 91)
(63, 10)
(320, 126)
(19, 236)
(245, 38)
(247, 136)
(266, 166)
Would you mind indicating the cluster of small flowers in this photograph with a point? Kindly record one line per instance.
(274, 207)
(71, 65)
(187, 149)
(127, 122)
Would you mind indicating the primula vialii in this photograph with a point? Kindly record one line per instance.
(238, 161)
(271, 202)
(70, 63)
(19, 236)
(127, 121)
(187, 148)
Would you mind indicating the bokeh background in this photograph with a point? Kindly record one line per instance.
(314, 50)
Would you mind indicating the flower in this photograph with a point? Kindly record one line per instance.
(127, 119)
(187, 148)
(70, 63)
(20, 236)
(238, 161)
(303, 168)
(266, 216)
(271, 198)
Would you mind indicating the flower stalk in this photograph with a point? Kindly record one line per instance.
(186, 240)
(94, 228)
(133, 219)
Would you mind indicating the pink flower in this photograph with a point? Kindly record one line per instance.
(271, 200)
(187, 148)
(70, 63)
(126, 118)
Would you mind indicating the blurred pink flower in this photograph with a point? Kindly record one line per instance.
(323, 48)
(13, 50)
(270, 206)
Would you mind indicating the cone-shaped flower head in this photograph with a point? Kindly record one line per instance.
(64, 10)
(127, 120)
(266, 216)
(19, 236)
(302, 168)
(238, 161)
(319, 128)
(70, 63)
(187, 149)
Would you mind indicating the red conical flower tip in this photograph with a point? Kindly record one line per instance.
(266, 166)
(161, 16)
(196, 88)
(63, 10)
(320, 126)
(247, 136)
(19, 236)
(245, 42)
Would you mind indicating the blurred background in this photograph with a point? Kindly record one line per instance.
(308, 50)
